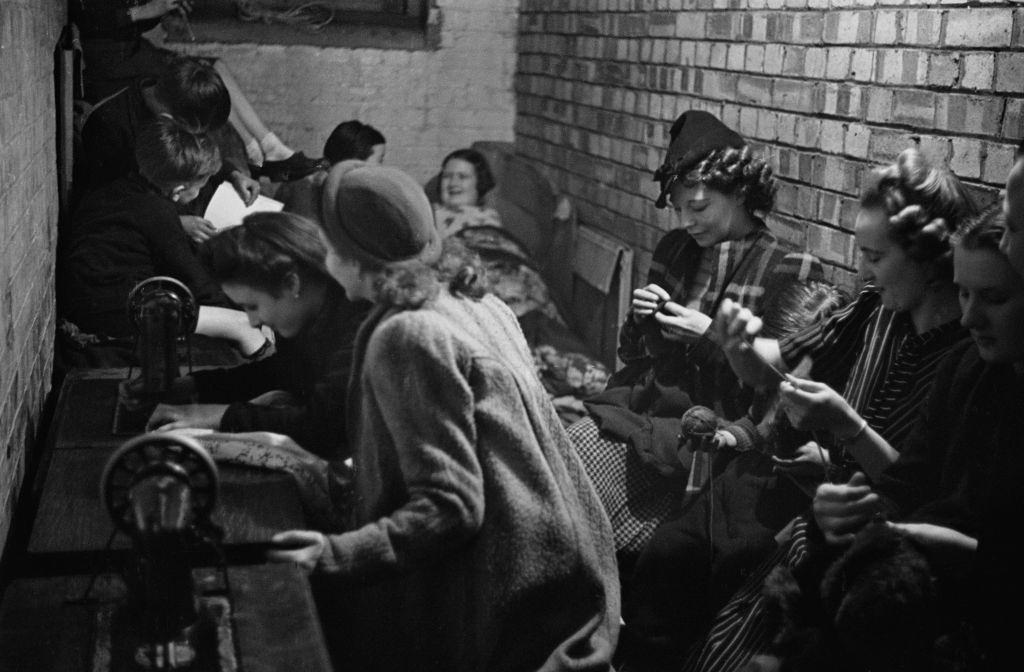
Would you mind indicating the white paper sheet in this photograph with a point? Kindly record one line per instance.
(226, 208)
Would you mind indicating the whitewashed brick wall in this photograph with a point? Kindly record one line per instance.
(426, 103)
(826, 89)
(29, 30)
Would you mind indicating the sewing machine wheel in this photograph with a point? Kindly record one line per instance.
(165, 288)
(155, 453)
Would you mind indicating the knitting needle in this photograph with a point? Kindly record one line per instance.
(188, 24)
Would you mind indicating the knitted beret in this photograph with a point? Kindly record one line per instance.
(378, 213)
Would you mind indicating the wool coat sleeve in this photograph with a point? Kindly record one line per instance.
(418, 382)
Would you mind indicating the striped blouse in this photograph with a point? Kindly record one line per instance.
(873, 357)
(885, 372)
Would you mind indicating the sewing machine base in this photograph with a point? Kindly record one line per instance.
(210, 646)
(50, 624)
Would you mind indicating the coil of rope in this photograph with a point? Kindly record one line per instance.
(311, 16)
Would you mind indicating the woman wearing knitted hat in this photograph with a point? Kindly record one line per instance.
(720, 248)
(477, 541)
(872, 366)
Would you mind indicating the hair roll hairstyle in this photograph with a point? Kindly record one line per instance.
(484, 177)
(794, 306)
(170, 155)
(351, 140)
(737, 171)
(925, 205)
(410, 284)
(984, 231)
(265, 250)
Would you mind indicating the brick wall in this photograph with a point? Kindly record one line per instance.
(426, 102)
(29, 30)
(825, 88)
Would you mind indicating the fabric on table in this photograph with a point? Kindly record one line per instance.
(321, 486)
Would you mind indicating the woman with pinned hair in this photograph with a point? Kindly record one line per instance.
(960, 465)
(720, 248)
(907, 216)
(880, 352)
(272, 267)
(477, 541)
(873, 366)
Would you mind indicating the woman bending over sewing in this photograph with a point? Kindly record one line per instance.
(272, 267)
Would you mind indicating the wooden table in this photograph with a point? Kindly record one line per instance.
(71, 527)
(46, 627)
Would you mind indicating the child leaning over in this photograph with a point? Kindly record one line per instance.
(129, 230)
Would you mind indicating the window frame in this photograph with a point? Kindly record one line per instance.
(408, 24)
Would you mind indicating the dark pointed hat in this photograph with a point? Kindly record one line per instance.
(693, 136)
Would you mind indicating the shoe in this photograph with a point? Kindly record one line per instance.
(295, 167)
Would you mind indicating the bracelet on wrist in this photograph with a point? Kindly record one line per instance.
(860, 430)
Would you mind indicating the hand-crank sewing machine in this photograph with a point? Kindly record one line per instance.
(162, 310)
(143, 555)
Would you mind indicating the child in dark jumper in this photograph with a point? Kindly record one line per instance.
(129, 231)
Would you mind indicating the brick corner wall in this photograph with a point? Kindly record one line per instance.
(29, 32)
(826, 89)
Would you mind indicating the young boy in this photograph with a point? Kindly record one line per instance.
(189, 91)
(128, 230)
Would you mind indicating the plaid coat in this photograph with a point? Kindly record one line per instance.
(666, 377)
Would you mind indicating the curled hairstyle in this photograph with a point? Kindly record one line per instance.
(169, 155)
(265, 250)
(410, 284)
(351, 140)
(984, 231)
(797, 305)
(194, 93)
(925, 205)
(484, 177)
(737, 171)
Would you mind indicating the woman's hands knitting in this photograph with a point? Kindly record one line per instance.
(811, 405)
(646, 301)
(681, 324)
(842, 509)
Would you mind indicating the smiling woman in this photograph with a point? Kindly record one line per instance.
(873, 366)
(465, 181)
(720, 248)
